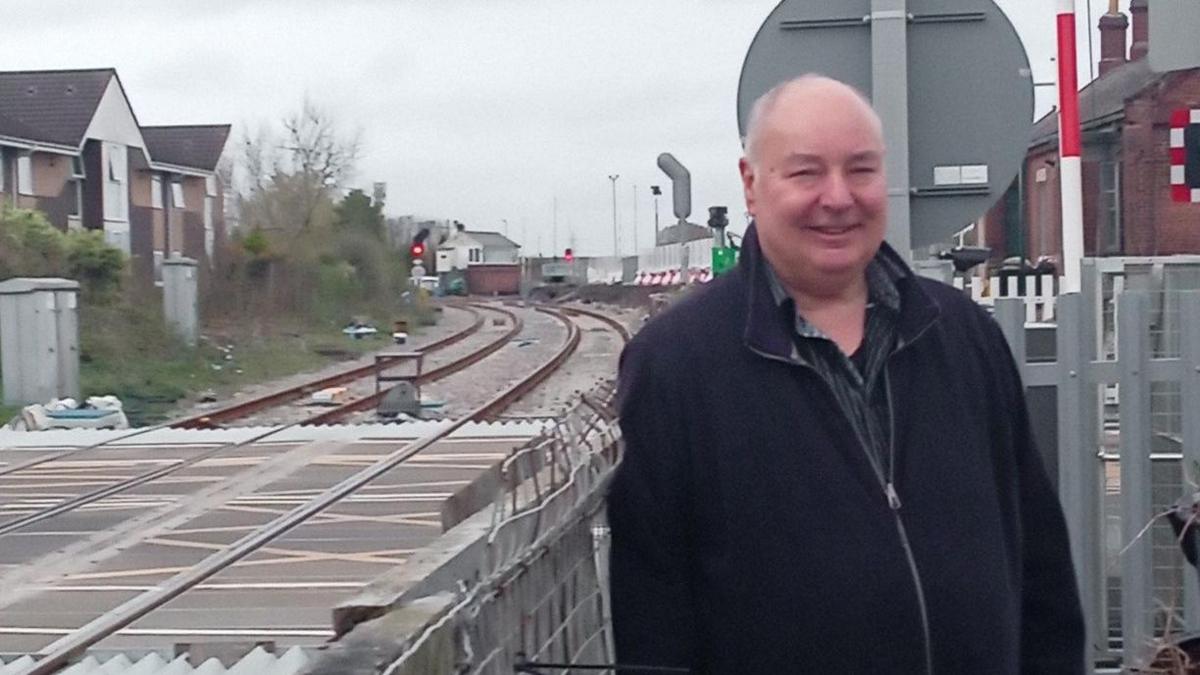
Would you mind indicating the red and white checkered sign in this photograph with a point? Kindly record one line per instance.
(1185, 155)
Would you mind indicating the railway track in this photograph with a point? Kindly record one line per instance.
(215, 418)
(59, 653)
(285, 396)
(103, 492)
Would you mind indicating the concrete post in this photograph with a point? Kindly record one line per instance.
(39, 338)
(180, 302)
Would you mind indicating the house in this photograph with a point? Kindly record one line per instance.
(181, 209)
(462, 249)
(1130, 206)
(490, 260)
(72, 147)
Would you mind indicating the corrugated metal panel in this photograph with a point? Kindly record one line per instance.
(257, 662)
(14, 666)
(75, 438)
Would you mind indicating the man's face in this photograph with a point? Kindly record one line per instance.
(816, 188)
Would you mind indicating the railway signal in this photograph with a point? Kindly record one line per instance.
(569, 255)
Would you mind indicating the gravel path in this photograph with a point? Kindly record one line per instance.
(592, 363)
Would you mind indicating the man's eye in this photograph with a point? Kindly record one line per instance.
(863, 170)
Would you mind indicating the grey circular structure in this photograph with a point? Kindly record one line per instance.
(969, 91)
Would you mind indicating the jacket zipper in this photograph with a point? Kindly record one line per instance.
(888, 484)
(894, 503)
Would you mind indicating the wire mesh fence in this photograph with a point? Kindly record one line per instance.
(535, 591)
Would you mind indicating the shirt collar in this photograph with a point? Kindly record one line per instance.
(882, 276)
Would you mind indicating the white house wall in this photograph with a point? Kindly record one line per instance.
(114, 120)
(496, 254)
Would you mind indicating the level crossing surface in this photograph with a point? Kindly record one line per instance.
(58, 574)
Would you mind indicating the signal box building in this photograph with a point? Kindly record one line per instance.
(491, 261)
(1136, 165)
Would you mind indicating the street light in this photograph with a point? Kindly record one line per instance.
(635, 221)
(616, 240)
(656, 191)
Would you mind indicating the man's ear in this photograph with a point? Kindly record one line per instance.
(747, 171)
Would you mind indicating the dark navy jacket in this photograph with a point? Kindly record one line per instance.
(750, 535)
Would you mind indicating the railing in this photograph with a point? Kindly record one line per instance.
(1125, 445)
(1037, 292)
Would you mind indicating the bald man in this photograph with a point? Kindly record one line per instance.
(828, 464)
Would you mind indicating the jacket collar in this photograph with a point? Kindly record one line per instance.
(768, 329)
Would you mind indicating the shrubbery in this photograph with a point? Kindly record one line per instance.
(31, 246)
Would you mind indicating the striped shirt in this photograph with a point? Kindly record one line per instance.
(858, 381)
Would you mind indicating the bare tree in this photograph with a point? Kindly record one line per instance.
(292, 178)
(317, 148)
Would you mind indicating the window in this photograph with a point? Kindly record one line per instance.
(1110, 205)
(474, 255)
(156, 191)
(25, 174)
(76, 187)
(210, 186)
(177, 194)
(158, 268)
(209, 232)
(116, 176)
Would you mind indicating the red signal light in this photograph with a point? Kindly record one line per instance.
(417, 250)
(568, 255)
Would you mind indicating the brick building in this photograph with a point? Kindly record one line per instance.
(1125, 116)
(72, 147)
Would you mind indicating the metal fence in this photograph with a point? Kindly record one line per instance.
(1126, 380)
(525, 587)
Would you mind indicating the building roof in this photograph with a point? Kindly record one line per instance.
(1102, 100)
(51, 106)
(493, 239)
(15, 129)
(195, 146)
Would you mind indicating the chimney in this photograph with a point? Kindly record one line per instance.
(1139, 10)
(1112, 38)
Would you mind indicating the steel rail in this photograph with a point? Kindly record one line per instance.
(245, 408)
(209, 419)
(471, 359)
(599, 316)
(59, 653)
(75, 451)
(96, 495)
(522, 388)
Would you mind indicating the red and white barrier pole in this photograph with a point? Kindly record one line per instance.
(1070, 176)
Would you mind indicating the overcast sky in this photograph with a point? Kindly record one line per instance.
(484, 111)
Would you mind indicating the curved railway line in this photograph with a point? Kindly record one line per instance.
(216, 418)
(233, 412)
(60, 652)
(290, 394)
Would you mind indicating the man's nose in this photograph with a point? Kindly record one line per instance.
(835, 194)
